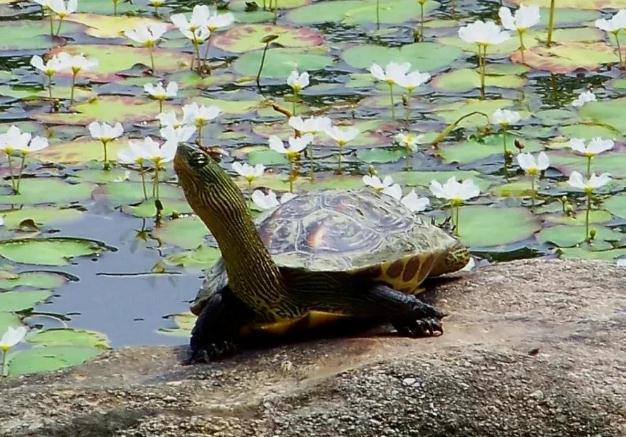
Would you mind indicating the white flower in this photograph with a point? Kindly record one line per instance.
(393, 73)
(455, 192)
(43, 3)
(269, 201)
(342, 136)
(76, 63)
(159, 93)
(219, 21)
(50, 68)
(169, 119)
(156, 3)
(415, 203)
(614, 24)
(408, 141)
(63, 9)
(199, 19)
(249, 172)
(199, 115)
(296, 145)
(584, 97)
(147, 150)
(525, 18)
(177, 135)
(413, 80)
(483, 33)
(385, 186)
(310, 125)
(504, 117)
(147, 34)
(14, 140)
(595, 147)
(576, 180)
(298, 81)
(621, 262)
(531, 165)
(196, 36)
(104, 131)
(12, 337)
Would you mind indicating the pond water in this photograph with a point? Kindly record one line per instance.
(120, 278)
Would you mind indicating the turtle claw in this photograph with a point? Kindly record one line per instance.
(211, 352)
(429, 327)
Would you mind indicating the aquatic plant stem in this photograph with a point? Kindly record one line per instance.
(115, 7)
(339, 158)
(196, 50)
(589, 166)
(421, 39)
(393, 111)
(293, 103)
(142, 173)
(72, 88)
(155, 186)
(619, 49)
(377, 14)
(587, 236)
(258, 75)
(152, 59)
(550, 23)
(11, 173)
(454, 206)
(107, 165)
(311, 163)
(19, 173)
(4, 362)
(482, 55)
(205, 58)
(522, 47)
(292, 172)
(532, 192)
(160, 105)
(275, 11)
(49, 86)
(51, 21)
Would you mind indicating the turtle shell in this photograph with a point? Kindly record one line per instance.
(360, 232)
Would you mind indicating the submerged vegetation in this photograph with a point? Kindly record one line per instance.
(504, 123)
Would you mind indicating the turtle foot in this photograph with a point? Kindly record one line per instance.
(211, 352)
(429, 327)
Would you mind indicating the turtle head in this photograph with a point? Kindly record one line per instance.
(210, 191)
(456, 257)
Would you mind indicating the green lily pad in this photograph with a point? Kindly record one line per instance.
(280, 62)
(424, 56)
(51, 251)
(108, 26)
(266, 156)
(116, 58)
(46, 190)
(32, 35)
(238, 5)
(519, 188)
(451, 112)
(237, 105)
(48, 359)
(568, 57)
(610, 162)
(595, 216)
(11, 301)
(30, 92)
(244, 38)
(381, 156)
(576, 4)
(49, 280)
(147, 208)
(472, 150)
(486, 226)
(41, 216)
(616, 205)
(199, 258)
(463, 80)
(570, 236)
(128, 193)
(424, 178)
(9, 320)
(69, 337)
(585, 253)
(109, 109)
(588, 131)
(74, 152)
(106, 7)
(184, 324)
(359, 12)
(607, 112)
(186, 232)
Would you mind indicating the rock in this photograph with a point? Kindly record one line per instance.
(534, 347)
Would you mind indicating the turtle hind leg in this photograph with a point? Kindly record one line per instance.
(217, 330)
(407, 313)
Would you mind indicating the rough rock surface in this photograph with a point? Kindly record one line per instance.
(532, 348)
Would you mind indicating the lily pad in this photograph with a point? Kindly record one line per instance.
(616, 205)
(46, 190)
(47, 280)
(40, 216)
(472, 150)
(69, 337)
(568, 57)
(359, 12)
(424, 178)
(452, 112)
(184, 324)
(585, 253)
(48, 359)
(32, 35)
(244, 38)
(200, 258)
(51, 251)
(147, 208)
(74, 152)
(607, 112)
(12, 301)
(577, 4)
(280, 62)
(128, 193)
(186, 232)
(108, 26)
(9, 320)
(487, 227)
(570, 236)
(424, 56)
(266, 156)
(464, 80)
(381, 156)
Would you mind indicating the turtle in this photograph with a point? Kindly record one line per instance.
(320, 257)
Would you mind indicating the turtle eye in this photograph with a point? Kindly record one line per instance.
(198, 159)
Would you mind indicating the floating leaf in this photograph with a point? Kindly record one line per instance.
(48, 280)
(569, 57)
(51, 251)
(424, 178)
(585, 253)
(42, 216)
(29, 35)
(280, 62)
(108, 26)
(148, 209)
(569, 236)
(616, 205)
(464, 80)
(607, 112)
(424, 56)
(74, 152)
(472, 150)
(576, 4)
(244, 38)
(46, 190)
(128, 193)
(22, 300)
(452, 112)
(186, 232)
(184, 324)
(69, 337)
(200, 258)
(379, 155)
(8, 320)
(48, 359)
(486, 226)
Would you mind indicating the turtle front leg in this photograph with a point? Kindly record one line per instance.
(217, 330)
(408, 314)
